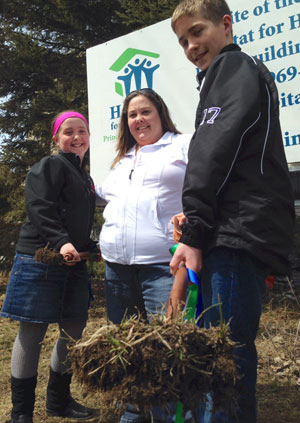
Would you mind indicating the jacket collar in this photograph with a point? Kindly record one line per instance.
(74, 159)
(229, 47)
(165, 139)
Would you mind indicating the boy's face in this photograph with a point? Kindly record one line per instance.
(201, 39)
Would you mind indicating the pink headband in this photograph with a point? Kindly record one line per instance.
(65, 116)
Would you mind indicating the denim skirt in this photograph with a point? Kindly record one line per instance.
(43, 293)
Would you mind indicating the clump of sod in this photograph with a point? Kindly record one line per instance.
(49, 256)
(154, 363)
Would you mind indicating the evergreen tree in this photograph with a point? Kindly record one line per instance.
(12, 213)
(138, 14)
(42, 65)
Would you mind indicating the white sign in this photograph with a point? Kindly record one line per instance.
(152, 57)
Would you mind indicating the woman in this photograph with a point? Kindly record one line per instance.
(143, 193)
(60, 202)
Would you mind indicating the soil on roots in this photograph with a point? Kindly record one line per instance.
(49, 256)
(153, 364)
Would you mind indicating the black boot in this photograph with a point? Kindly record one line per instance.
(59, 401)
(23, 397)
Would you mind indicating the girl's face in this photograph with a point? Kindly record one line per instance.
(73, 137)
(144, 121)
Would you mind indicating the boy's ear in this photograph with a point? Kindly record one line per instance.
(227, 21)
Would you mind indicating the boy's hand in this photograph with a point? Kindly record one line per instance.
(190, 256)
(70, 254)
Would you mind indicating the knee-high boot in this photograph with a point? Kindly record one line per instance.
(23, 397)
(59, 401)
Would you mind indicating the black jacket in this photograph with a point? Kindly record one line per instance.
(60, 203)
(237, 191)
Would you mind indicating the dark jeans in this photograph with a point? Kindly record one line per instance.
(133, 288)
(137, 288)
(237, 278)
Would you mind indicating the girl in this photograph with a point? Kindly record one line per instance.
(60, 202)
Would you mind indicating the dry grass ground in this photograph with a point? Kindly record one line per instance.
(278, 344)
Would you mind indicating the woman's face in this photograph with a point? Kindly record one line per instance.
(144, 121)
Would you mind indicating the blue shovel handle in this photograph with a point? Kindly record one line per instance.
(193, 310)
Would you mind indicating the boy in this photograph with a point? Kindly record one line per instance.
(237, 196)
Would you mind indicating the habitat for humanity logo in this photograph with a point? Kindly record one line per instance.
(135, 70)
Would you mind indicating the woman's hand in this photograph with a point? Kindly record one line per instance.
(177, 296)
(178, 220)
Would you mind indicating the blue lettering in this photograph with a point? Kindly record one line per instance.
(291, 140)
(271, 30)
(295, 21)
(114, 126)
(115, 111)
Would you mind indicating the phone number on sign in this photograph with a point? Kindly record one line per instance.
(285, 74)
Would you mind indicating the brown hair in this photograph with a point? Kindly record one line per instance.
(212, 10)
(125, 139)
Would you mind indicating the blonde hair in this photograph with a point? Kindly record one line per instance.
(125, 139)
(212, 10)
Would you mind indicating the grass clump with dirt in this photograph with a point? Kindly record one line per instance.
(147, 364)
